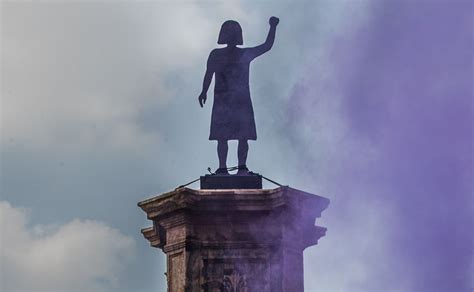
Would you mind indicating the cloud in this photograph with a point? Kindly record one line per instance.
(81, 255)
(63, 82)
(91, 82)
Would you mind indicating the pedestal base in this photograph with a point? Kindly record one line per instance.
(234, 240)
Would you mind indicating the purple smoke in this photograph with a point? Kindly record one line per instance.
(405, 80)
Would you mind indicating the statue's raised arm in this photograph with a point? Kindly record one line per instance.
(267, 45)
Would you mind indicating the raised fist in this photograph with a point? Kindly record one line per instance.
(273, 21)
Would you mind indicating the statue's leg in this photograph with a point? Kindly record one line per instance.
(222, 149)
(242, 152)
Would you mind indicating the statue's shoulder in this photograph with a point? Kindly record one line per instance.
(217, 52)
(217, 55)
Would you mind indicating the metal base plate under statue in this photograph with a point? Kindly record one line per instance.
(245, 240)
(234, 181)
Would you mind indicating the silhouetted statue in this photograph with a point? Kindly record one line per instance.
(232, 112)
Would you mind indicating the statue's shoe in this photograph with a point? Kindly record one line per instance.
(222, 171)
(243, 170)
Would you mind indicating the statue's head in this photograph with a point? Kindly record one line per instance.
(231, 33)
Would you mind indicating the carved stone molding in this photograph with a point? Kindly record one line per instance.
(234, 282)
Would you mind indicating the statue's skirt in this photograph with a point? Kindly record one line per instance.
(232, 116)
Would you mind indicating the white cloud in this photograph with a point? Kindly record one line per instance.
(86, 72)
(82, 255)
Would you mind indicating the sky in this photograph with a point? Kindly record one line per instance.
(367, 103)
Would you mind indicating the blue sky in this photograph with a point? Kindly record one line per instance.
(368, 103)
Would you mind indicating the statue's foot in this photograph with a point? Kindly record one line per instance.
(222, 171)
(243, 170)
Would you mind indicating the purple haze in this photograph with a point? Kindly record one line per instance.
(406, 84)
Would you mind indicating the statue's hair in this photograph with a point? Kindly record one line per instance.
(231, 33)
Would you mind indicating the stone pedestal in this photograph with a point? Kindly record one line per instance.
(240, 240)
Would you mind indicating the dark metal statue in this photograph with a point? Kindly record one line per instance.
(232, 112)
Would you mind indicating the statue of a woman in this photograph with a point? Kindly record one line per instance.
(232, 112)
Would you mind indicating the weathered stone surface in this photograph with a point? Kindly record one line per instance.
(234, 240)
